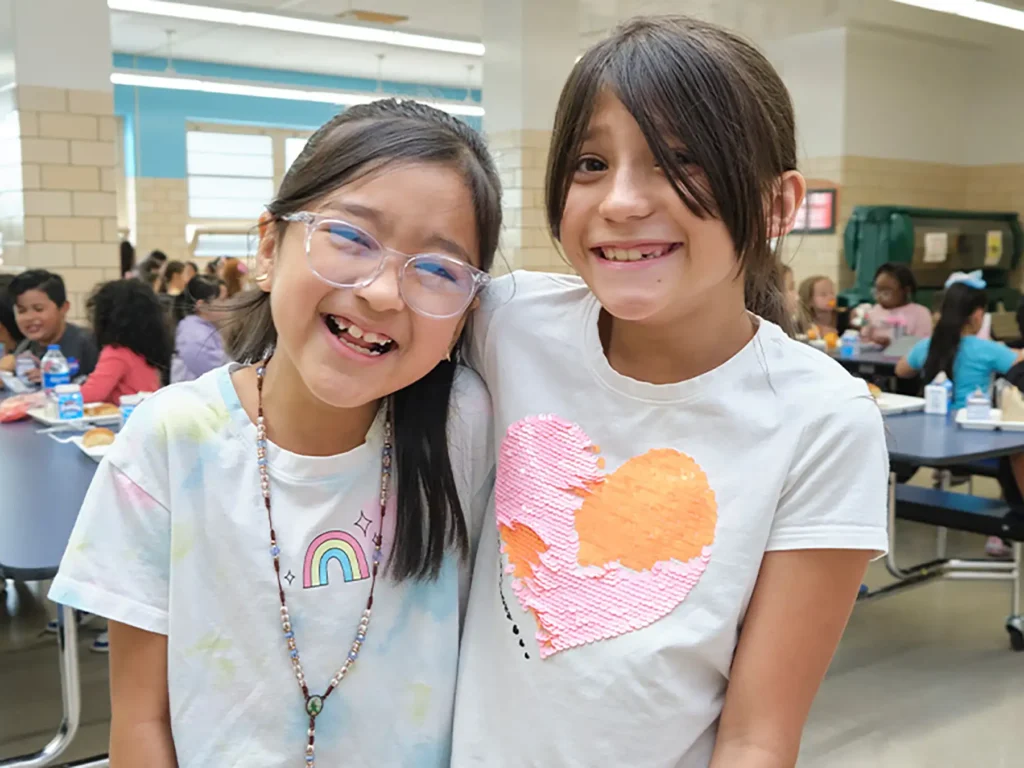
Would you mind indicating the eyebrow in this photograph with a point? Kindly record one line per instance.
(377, 218)
(594, 130)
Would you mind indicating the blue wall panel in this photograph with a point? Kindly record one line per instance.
(155, 118)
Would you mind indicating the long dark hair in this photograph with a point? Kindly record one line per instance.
(171, 270)
(7, 318)
(361, 140)
(693, 84)
(959, 303)
(126, 313)
(199, 288)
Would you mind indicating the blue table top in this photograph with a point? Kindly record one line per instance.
(877, 358)
(42, 485)
(936, 441)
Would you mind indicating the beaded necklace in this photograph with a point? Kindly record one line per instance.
(314, 704)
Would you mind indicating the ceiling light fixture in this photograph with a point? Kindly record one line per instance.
(279, 23)
(273, 92)
(977, 10)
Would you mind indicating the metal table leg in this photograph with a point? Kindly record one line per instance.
(1015, 624)
(71, 695)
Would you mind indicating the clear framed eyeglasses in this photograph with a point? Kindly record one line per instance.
(345, 256)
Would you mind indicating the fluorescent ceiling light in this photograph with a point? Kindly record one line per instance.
(280, 23)
(978, 10)
(273, 92)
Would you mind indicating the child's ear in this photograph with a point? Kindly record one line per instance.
(266, 252)
(63, 309)
(789, 196)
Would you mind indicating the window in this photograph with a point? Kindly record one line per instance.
(230, 175)
(292, 149)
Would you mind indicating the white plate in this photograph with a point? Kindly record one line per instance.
(43, 417)
(890, 403)
(96, 453)
(995, 421)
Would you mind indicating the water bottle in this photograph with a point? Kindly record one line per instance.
(55, 369)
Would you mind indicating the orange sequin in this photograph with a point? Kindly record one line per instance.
(523, 547)
(654, 507)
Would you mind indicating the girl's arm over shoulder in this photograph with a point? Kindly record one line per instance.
(830, 520)
(140, 723)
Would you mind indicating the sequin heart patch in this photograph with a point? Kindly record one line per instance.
(594, 555)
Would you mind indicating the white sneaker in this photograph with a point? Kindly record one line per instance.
(101, 644)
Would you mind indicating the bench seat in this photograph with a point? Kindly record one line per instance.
(959, 511)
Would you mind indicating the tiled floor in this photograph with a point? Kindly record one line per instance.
(921, 680)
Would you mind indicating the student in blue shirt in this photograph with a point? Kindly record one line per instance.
(969, 362)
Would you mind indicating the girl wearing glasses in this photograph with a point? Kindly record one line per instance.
(282, 545)
(894, 290)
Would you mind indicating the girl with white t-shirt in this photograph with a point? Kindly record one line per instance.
(282, 546)
(686, 499)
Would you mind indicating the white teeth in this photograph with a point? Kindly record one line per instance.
(356, 332)
(357, 348)
(633, 254)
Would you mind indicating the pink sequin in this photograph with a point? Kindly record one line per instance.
(547, 467)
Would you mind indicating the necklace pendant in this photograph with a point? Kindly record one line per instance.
(314, 705)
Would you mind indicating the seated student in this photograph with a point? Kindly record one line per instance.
(198, 346)
(134, 343)
(10, 334)
(954, 347)
(895, 286)
(41, 308)
(818, 305)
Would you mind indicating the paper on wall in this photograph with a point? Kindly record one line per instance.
(936, 247)
(993, 247)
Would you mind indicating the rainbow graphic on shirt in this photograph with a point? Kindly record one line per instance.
(334, 545)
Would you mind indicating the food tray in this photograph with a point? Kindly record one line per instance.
(96, 453)
(41, 415)
(890, 403)
(994, 422)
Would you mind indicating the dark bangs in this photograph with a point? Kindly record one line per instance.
(715, 115)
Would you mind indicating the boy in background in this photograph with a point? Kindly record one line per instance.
(40, 309)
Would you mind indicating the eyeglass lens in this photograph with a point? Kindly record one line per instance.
(432, 284)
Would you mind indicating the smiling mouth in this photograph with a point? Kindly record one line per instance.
(358, 340)
(640, 253)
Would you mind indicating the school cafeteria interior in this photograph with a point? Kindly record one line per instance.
(142, 126)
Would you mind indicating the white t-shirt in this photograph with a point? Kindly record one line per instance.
(173, 538)
(631, 522)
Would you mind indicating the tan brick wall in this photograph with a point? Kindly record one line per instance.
(871, 181)
(56, 210)
(161, 215)
(521, 157)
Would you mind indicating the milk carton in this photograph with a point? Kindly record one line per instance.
(938, 395)
(979, 407)
(69, 401)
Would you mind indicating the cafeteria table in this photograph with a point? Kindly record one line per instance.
(936, 441)
(867, 363)
(42, 485)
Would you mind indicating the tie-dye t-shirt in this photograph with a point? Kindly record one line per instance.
(630, 522)
(173, 539)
